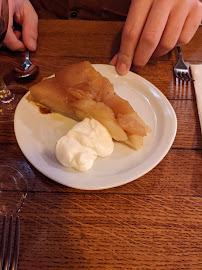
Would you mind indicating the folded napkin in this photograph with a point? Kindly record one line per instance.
(196, 71)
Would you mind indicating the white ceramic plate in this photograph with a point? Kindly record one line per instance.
(38, 133)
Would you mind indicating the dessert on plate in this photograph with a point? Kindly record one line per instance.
(79, 91)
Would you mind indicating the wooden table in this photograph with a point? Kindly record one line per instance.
(154, 222)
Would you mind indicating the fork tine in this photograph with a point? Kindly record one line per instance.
(9, 246)
(176, 75)
(181, 70)
(16, 245)
(184, 76)
(3, 242)
(189, 77)
(179, 75)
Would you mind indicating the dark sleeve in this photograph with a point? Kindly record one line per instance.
(51, 9)
(89, 10)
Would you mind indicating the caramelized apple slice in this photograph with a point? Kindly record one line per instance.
(139, 119)
(80, 91)
(131, 125)
(101, 113)
(118, 104)
(134, 141)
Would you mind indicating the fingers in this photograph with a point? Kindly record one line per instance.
(11, 41)
(30, 27)
(191, 24)
(155, 27)
(18, 34)
(152, 33)
(169, 37)
(24, 14)
(131, 33)
(185, 24)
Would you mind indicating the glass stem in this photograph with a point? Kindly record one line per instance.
(6, 96)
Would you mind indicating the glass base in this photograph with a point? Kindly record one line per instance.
(9, 104)
(13, 190)
(7, 110)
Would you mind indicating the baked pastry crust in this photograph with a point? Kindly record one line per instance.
(79, 91)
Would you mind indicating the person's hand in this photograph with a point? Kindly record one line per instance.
(23, 13)
(155, 27)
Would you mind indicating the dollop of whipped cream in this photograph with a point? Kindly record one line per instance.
(83, 144)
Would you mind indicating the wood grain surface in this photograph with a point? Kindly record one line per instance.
(154, 222)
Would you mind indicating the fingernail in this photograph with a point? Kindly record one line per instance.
(122, 69)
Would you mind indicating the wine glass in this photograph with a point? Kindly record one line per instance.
(8, 100)
(11, 180)
(6, 97)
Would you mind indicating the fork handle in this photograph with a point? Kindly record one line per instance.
(179, 50)
(180, 53)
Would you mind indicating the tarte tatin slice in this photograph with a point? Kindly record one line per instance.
(79, 91)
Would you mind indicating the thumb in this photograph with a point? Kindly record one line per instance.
(11, 41)
(30, 27)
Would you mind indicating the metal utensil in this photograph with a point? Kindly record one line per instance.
(27, 68)
(181, 71)
(9, 259)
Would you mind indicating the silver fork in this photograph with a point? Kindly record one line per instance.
(9, 259)
(180, 69)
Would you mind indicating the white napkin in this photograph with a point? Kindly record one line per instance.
(196, 71)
